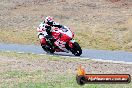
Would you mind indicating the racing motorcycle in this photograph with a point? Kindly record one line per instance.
(64, 37)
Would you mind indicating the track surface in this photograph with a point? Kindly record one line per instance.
(87, 53)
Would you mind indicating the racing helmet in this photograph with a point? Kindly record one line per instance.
(49, 20)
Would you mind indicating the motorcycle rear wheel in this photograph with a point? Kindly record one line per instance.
(48, 49)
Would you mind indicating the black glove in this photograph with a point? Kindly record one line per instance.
(48, 30)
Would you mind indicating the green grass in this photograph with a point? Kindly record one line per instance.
(20, 78)
(41, 80)
(32, 57)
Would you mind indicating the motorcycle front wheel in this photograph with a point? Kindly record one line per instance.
(76, 50)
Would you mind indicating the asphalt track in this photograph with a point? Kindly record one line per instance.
(118, 56)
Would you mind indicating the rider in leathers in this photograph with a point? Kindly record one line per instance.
(45, 29)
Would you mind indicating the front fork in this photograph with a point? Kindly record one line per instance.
(71, 42)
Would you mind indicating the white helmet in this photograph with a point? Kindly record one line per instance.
(49, 20)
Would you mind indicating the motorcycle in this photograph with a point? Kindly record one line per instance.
(63, 37)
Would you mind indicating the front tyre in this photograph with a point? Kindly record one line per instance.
(76, 50)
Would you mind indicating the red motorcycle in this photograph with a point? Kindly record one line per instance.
(63, 38)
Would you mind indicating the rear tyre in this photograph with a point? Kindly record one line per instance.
(48, 49)
(76, 50)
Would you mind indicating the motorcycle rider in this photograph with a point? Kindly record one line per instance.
(45, 30)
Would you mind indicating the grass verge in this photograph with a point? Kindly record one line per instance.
(19, 70)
